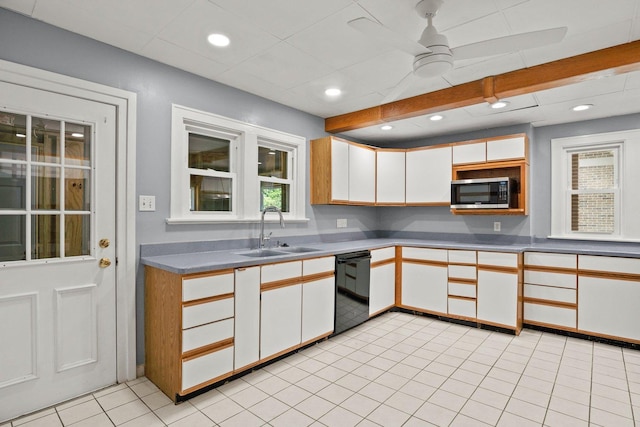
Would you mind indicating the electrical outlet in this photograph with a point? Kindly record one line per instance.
(147, 203)
(497, 226)
(341, 223)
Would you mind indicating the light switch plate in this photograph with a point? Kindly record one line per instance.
(497, 226)
(341, 223)
(147, 203)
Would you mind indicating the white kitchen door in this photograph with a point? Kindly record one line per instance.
(57, 248)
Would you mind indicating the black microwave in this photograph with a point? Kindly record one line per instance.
(483, 193)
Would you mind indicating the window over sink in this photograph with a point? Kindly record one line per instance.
(227, 170)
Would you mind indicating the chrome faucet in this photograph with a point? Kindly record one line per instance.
(264, 211)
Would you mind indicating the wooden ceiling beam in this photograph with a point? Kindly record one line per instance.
(614, 60)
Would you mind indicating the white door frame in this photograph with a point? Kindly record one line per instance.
(125, 103)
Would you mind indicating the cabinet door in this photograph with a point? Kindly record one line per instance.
(506, 149)
(362, 174)
(318, 308)
(247, 298)
(390, 176)
(497, 300)
(339, 170)
(280, 319)
(609, 307)
(424, 286)
(382, 288)
(428, 175)
(470, 153)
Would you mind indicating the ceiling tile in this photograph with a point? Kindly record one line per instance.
(336, 44)
(285, 66)
(515, 103)
(21, 6)
(178, 57)
(282, 18)
(191, 28)
(480, 69)
(84, 21)
(582, 91)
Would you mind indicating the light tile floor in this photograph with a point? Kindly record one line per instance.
(396, 370)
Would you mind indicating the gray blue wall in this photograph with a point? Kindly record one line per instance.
(33, 43)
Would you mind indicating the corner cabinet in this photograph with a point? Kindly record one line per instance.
(430, 165)
(390, 177)
(342, 172)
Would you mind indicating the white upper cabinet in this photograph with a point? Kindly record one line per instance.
(506, 149)
(470, 153)
(390, 177)
(428, 176)
(362, 174)
(339, 170)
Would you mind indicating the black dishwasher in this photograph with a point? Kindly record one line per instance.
(352, 290)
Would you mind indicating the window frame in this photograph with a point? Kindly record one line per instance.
(244, 159)
(627, 202)
(291, 169)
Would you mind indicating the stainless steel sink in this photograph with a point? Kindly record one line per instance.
(297, 249)
(261, 253)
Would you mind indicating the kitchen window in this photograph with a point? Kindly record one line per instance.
(589, 198)
(227, 170)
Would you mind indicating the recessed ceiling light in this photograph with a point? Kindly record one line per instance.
(273, 153)
(218, 40)
(332, 91)
(582, 107)
(436, 117)
(386, 127)
(21, 135)
(499, 104)
(77, 135)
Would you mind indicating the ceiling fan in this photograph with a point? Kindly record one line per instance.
(432, 54)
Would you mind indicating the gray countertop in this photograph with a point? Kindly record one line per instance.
(196, 262)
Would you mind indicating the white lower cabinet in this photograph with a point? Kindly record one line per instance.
(499, 289)
(608, 297)
(203, 368)
(247, 319)
(424, 286)
(280, 319)
(318, 308)
(382, 282)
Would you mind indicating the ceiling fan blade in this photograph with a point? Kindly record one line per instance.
(509, 44)
(386, 36)
(400, 88)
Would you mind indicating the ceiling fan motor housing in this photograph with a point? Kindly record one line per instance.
(439, 60)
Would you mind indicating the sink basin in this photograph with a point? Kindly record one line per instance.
(297, 249)
(261, 253)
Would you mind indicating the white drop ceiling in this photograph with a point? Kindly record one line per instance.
(290, 51)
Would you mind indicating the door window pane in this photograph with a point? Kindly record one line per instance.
(12, 238)
(13, 136)
(273, 163)
(77, 235)
(13, 182)
(77, 145)
(210, 193)
(77, 196)
(209, 153)
(274, 194)
(45, 181)
(45, 236)
(45, 142)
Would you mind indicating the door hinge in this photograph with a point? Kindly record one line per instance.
(116, 260)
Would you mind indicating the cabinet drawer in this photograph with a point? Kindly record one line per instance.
(499, 259)
(207, 367)
(462, 257)
(462, 290)
(551, 260)
(462, 272)
(383, 254)
(550, 294)
(425, 254)
(462, 307)
(551, 315)
(203, 335)
(318, 265)
(199, 314)
(550, 279)
(280, 271)
(207, 286)
(610, 264)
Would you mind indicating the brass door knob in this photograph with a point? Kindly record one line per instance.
(104, 243)
(105, 262)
